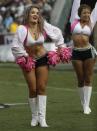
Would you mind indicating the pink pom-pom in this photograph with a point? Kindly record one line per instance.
(26, 63)
(65, 54)
(30, 64)
(21, 61)
(53, 58)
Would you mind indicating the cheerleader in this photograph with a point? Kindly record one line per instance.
(84, 54)
(34, 60)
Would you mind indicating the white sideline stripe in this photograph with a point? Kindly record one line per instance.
(1, 107)
(50, 87)
(15, 104)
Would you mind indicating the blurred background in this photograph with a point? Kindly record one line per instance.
(57, 12)
(64, 111)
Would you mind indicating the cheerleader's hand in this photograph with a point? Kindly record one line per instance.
(53, 58)
(26, 63)
(21, 61)
(30, 64)
(65, 54)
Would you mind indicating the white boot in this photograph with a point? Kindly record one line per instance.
(87, 96)
(81, 93)
(42, 110)
(34, 110)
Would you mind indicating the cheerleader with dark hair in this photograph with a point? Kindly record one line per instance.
(84, 54)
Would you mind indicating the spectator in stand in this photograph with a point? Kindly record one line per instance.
(1, 25)
(46, 11)
(31, 1)
(8, 20)
(13, 27)
(45, 7)
(20, 9)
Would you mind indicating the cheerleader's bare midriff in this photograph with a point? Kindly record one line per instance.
(36, 50)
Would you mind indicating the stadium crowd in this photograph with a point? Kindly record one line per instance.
(11, 12)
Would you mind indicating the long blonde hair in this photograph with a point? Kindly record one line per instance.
(26, 17)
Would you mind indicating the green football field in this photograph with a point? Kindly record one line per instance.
(64, 112)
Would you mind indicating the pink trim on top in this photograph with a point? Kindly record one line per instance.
(25, 40)
(74, 24)
(44, 34)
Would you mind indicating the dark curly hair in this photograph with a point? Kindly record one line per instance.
(83, 6)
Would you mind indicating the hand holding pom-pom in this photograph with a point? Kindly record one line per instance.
(53, 58)
(30, 64)
(65, 54)
(26, 63)
(21, 61)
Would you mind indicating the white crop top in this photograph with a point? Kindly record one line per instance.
(32, 41)
(18, 48)
(74, 16)
(78, 29)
